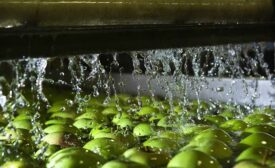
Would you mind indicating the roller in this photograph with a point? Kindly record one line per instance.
(60, 27)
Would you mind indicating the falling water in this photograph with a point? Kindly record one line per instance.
(180, 77)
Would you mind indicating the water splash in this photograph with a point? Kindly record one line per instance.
(182, 76)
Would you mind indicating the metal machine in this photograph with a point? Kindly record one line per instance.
(51, 28)
(54, 27)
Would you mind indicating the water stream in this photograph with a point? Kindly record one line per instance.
(178, 73)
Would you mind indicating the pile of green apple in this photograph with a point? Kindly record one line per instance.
(138, 132)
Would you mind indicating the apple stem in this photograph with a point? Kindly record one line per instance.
(265, 157)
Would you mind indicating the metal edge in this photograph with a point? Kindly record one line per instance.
(59, 41)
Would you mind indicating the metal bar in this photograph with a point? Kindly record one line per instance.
(125, 12)
(242, 91)
(35, 28)
(48, 42)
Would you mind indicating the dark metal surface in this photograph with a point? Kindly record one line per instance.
(130, 12)
(59, 41)
(31, 28)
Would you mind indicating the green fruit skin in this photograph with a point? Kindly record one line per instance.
(22, 124)
(258, 154)
(213, 147)
(85, 124)
(18, 164)
(60, 128)
(214, 119)
(147, 110)
(65, 115)
(214, 134)
(192, 129)
(163, 144)
(61, 138)
(249, 164)
(261, 128)
(257, 118)
(193, 159)
(143, 129)
(150, 159)
(74, 158)
(120, 164)
(259, 140)
(234, 125)
(110, 111)
(106, 147)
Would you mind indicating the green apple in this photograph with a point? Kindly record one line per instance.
(260, 155)
(125, 123)
(257, 118)
(119, 116)
(106, 147)
(169, 122)
(22, 117)
(100, 129)
(266, 110)
(234, 125)
(92, 109)
(227, 114)
(22, 124)
(214, 119)
(58, 106)
(143, 129)
(161, 105)
(213, 147)
(150, 159)
(66, 115)
(194, 105)
(95, 116)
(249, 164)
(61, 138)
(96, 102)
(214, 133)
(60, 128)
(270, 111)
(156, 117)
(162, 144)
(193, 159)
(18, 164)
(74, 157)
(259, 140)
(102, 134)
(46, 153)
(178, 109)
(174, 135)
(59, 121)
(130, 151)
(85, 124)
(110, 111)
(193, 129)
(261, 128)
(147, 110)
(122, 164)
